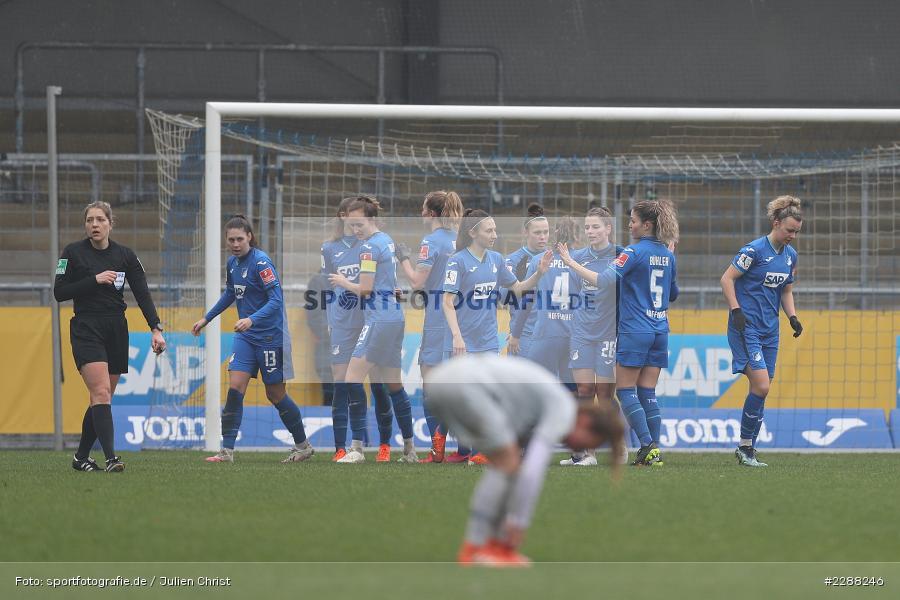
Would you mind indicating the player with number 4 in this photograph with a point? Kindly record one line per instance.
(261, 343)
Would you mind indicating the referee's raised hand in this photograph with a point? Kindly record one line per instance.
(106, 277)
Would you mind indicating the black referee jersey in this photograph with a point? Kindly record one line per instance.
(76, 274)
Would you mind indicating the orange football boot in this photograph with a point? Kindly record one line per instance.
(479, 459)
(384, 453)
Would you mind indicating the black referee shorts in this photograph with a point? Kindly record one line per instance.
(100, 339)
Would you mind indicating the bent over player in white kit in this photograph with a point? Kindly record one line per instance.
(501, 405)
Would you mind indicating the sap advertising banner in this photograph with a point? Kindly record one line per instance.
(158, 427)
(699, 371)
(176, 373)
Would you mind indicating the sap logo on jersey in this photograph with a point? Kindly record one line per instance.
(699, 371)
(773, 280)
(351, 272)
(173, 375)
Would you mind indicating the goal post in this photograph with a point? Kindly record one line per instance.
(217, 111)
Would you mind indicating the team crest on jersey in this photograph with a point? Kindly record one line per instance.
(423, 252)
(61, 266)
(244, 273)
(789, 261)
(744, 261)
(267, 275)
(335, 350)
(494, 269)
(575, 355)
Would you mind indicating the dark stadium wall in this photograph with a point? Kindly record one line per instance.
(706, 52)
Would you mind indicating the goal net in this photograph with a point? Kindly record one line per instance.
(835, 386)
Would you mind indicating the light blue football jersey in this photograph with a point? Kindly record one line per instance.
(765, 273)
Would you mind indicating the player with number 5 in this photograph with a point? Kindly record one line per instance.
(647, 273)
(758, 282)
(261, 343)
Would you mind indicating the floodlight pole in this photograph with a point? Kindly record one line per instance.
(53, 200)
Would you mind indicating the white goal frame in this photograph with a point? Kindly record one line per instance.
(215, 111)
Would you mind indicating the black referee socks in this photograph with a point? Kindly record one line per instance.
(88, 435)
(103, 425)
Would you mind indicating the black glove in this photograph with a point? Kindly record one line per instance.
(796, 326)
(738, 319)
(402, 251)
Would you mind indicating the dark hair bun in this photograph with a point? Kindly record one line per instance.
(535, 210)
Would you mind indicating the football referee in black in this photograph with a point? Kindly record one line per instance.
(92, 272)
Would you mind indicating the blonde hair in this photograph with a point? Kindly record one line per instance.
(566, 231)
(663, 215)
(104, 206)
(448, 206)
(784, 207)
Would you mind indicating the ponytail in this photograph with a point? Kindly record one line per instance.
(663, 215)
(448, 206)
(566, 231)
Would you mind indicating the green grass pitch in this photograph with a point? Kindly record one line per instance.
(171, 507)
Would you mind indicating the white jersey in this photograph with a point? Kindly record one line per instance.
(532, 401)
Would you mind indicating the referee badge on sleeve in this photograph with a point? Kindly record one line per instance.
(61, 266)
